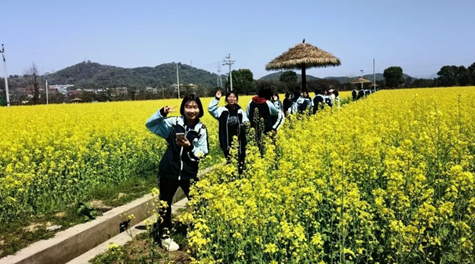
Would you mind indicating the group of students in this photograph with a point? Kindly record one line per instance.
(187, 137)
(299, 102)
(357, 94)
(188, 143)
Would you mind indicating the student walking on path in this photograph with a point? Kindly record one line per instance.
(187, 140)
(259, 111)
(231, 119)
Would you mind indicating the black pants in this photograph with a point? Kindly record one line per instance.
(168, 188)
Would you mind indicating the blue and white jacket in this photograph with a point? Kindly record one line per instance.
(301, 101)
(266, 110)
(179, 163)
(222, 114)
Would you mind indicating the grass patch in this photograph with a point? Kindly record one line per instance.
(26, 230)
(143, 250)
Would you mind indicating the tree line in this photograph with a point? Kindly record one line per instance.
(99, 82)
(448, 75)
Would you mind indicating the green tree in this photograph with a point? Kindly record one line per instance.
(471, 72)
(393, 76)
(448, 75)
(288, 77)
(463, 76)
(243, 81)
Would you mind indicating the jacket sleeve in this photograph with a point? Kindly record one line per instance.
(276, 112)
(213, 108)
(294, 108)
(159, 124)
(245, 119)
(199, 148)
(248, 108)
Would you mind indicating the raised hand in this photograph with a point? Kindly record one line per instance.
(167, 109)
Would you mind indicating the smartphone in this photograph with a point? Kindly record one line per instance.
(180, 136)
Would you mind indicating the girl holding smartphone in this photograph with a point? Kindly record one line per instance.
(187, 140)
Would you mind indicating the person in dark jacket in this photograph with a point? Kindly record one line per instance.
(259, 111)
(354, 94)
(231, 119)
(266, 109)
(301, 102)
(318, 101)
(287, 104)
(361, 93)
(187, 140)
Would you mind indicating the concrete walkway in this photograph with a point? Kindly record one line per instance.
(68, 244)
(122, 238)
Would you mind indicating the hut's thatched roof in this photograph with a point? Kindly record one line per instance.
(373, 85)
(305, 55)
(361, 80)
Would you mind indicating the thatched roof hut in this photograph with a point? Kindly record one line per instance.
(76, 100)
(361, 80)
(303, 56)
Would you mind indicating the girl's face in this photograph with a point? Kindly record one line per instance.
(192, 111)
(232, 99)
(275, 98)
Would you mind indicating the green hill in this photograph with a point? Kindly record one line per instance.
(94, 75)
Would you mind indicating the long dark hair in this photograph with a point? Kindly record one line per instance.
(297, 94)
(265, 91)
(191, 97)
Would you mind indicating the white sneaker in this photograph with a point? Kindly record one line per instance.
(170, 245)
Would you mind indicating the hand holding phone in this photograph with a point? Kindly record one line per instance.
(181, 140)
(180, 136)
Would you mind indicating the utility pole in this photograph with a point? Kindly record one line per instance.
(361, 77)
(374, 74)
(46, 80)
(178, 79)
(6, 76)
(219, 81)
(229, 62)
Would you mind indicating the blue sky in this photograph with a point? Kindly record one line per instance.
(420, 36)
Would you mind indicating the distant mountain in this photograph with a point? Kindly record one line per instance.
(94, 75)
(275, 77)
